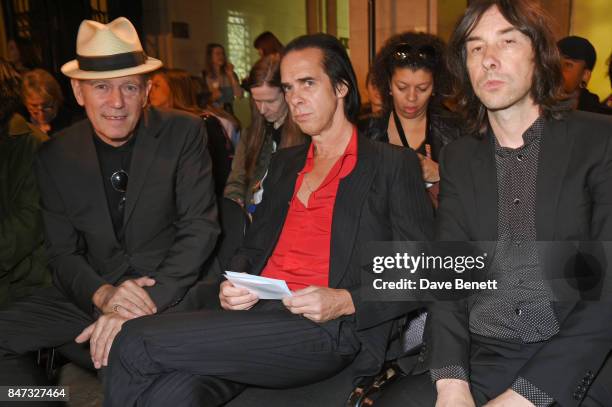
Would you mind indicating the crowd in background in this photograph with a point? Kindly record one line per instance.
(408, 88)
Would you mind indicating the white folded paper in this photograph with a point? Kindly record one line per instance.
(265, 288)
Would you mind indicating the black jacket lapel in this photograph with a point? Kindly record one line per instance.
(555, 150)
(484, 193)
(283, 179)
(350, 198)
(145, 150)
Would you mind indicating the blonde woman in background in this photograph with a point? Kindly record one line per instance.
(43, 99)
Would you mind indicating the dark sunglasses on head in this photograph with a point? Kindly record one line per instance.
(405, 51)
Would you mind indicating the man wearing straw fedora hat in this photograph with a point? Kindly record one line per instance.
(128, 205)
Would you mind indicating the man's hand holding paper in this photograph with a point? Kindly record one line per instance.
(236, 298)
(320, 304)
(265, 288)
(241, 291)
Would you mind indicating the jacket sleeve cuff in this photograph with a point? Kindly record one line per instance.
(84, 297)
(449, 372)
(536, 396)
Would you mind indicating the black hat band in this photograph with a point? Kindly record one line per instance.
(112, 62)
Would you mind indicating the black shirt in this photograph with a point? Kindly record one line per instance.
(520, 309)
(113, 159)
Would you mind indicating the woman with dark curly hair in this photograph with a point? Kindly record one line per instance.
(410, 73)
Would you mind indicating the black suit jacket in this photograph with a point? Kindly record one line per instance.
(573, 203)
(383, 199)
(170, 218)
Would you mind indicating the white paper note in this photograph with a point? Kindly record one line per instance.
(265, 288)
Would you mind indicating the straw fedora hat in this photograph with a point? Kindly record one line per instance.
(107, 51)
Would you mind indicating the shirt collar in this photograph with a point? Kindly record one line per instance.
(351, 148)
(533, 133)
(343, 166)
(125, 146)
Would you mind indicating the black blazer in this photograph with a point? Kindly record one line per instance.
(573, 203)
(383, 199)
(170, 218)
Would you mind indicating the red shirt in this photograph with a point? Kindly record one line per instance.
(301, 256)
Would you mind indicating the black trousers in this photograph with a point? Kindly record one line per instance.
(160, 360)
(43, 320)
(48, 319)
(493, 367)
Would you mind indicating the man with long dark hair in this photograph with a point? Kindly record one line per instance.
(325, 325)
(532, 171)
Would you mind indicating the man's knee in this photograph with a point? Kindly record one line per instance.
(128, 348)
(129, 339)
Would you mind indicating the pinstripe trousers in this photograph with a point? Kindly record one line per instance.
(162, 360)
